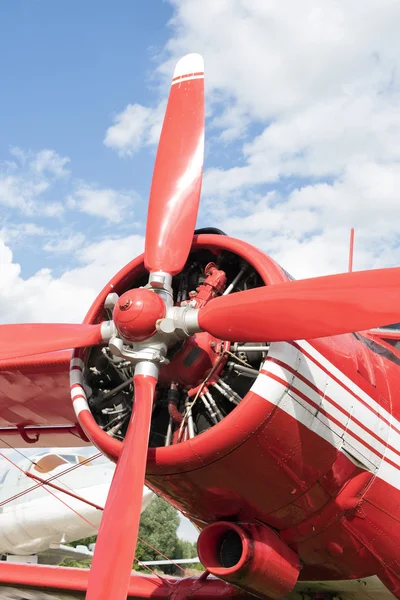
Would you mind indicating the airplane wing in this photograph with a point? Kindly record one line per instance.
(56, 553)
(35, 404)
(54, 583)
(61, 583)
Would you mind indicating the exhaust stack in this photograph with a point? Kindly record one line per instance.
(252, 557)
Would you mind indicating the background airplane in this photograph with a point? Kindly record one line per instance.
(37, 521)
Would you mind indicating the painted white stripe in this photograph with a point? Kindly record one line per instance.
(296, 410)
(344, 379)
(385, 425)
(80, 404)
(389, 474)
(362, 412)
(269, 389)
(345, 430)
(341, 435)
(188, 78)
(78, 391)
(323, 427)
(346, 426)
(333, 393)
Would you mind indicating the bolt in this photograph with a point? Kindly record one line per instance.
(126, 305)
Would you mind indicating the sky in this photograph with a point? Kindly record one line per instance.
(302, 135)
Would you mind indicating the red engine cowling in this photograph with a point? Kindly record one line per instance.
(252, 557)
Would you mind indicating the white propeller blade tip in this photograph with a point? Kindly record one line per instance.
(189, 65)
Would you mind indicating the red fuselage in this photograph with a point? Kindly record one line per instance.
(312, 450)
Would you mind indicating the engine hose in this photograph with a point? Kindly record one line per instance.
(173, 399)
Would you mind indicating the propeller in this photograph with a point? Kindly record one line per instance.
(303, 309)
(173, 208)
(172, 214)
(306, 309)
(176, 185)
(116, 543)
(36, 338)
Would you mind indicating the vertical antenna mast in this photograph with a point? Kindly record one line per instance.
(351, 252)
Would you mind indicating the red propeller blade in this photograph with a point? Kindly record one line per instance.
(176, 185)
(116, 543)
(26, 339)
(306, 309)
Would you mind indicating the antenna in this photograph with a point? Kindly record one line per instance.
(351, 252)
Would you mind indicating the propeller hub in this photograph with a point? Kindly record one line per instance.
(136, 313)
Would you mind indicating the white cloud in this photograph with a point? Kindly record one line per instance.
(24, 182)
(318, 83)
(18, 231)
(51, 162)
(67, 298)
(20, 192)
(233, 122)
(320, 141)
(275, 57)
(52, 209)
(107, 203)
(102, 260)
(25, 185)
(66, 245)
(307, 231)
(46, 160)
(134, 127)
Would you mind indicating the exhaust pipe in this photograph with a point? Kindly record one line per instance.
(253, 557)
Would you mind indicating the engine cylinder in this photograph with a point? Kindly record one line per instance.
(252, 557)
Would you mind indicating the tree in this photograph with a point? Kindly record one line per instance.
(158, 527)
(70, 562)
(187, 549)
(84, 542)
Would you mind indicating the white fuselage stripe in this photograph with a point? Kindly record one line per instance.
(355, 416)
(348, 419)
(344, 379)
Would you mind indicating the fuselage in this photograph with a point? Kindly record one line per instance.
(317, 442)
(311, 450)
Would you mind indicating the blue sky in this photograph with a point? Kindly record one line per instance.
(68, 68)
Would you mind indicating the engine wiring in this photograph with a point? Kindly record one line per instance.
(215, 367)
